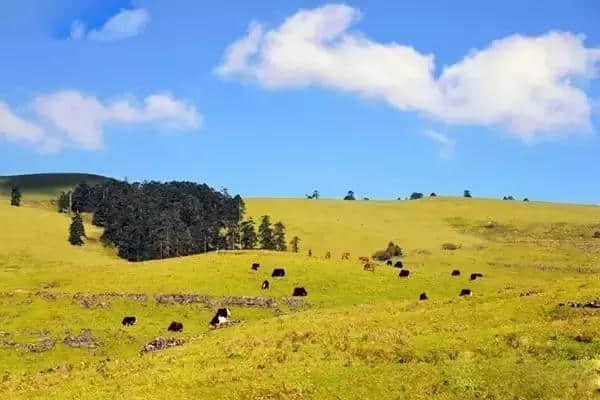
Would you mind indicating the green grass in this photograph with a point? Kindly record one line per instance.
(361, 335)
(46, 184)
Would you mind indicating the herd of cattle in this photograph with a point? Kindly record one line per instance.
(223, 315)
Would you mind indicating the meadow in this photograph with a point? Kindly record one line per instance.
(360, 334)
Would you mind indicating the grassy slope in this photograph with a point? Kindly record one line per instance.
(40, 185)
(363, 335)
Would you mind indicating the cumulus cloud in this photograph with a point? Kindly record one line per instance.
(125, 24)
(72, 117)
(445, 144)
(523, 84)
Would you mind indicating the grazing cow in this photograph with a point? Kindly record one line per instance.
(398, 264)
(363, 259)
(221, 317)
(278, 272)
(299, 291)
(309, 252)
(455, 272)
(476, 275)
(328, 255)
(265, 285)
(466, 292)
(345, 256)
(369, 267)
(128, 321)
(255, 266)
(423, 296)
(175, 327)
(389, 262)
(404, 273)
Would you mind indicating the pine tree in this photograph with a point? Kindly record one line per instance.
(279, 242)
(265, 234)
(15, 197)
(248, 234)
(63, 202)
(295, 244)
(76, 230)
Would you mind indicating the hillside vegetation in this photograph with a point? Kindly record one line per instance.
(42, 185)
(361, 334)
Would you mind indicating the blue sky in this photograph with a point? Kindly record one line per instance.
(384, 98)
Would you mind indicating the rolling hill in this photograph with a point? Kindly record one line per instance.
(360, 334)
(46, 184)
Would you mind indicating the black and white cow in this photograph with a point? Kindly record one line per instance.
(466, 292)
(221, 317)
(423, 296)
(255, 266)
(404, 273)
(476, 275)
(398, 264)
(455, 272)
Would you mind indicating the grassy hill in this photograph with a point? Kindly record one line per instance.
(361, 334)
(46, 184)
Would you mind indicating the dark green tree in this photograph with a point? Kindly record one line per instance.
(416, 196)
(349, 195)
(248, 237)
(265, 234)
(467, 193)
(76, 230)
(63, 202)
(294, 243)
(279, 242)
(15, 196)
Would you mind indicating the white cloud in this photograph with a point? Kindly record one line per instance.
(445, 144)
(70, 117)
(523, 84)
(83, 118)
(125, 24)
(14, 128)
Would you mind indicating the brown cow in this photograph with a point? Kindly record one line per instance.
(466, 292)
(363, 259)
(369, 267)
(455, 272)
(328, 255)
(346, 256)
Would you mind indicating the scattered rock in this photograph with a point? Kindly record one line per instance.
(102, 300)
(528, 293)
(161, 343)
(60, 368)
(83, 340)
(40, 346)
(294, 301)
(183, 298)
(248, 301)
(450, 246)
(583, 339)
(46, 295)
(226, 324)
(590, 304)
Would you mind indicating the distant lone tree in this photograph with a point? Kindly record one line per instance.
(416, 196)
(349, 195)
(294, 243)
(467, 193)
(15, 196)
(365, 198)
(316, 195)
(433, 194)
(76, 230)
(279, 242)
(526, 199)
(265, 234)
(63, 203)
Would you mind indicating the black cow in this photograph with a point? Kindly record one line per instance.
(476, 275)
(255, 266)
(299, 291)
(466, 292)
(404, 273)
(423, 296)
(398, 264)
(278, 272)
(265, 285)
(128, 321)
(175, 327)
(456, 272)
(221, 317)
(388, 262)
